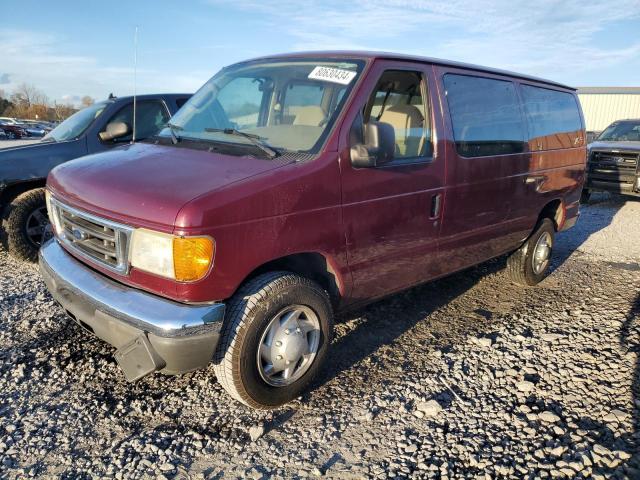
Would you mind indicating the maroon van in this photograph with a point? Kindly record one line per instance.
(294, 186)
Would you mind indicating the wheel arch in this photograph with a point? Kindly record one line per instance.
(13, 190)
(312, 265)
(555, 211)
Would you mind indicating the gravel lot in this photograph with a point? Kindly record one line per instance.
(469, 376)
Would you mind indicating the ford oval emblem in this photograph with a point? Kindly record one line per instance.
(78, 234)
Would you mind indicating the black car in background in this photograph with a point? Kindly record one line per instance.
(613, 160)
(24, 170)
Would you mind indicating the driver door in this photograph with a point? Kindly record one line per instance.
(392, 212)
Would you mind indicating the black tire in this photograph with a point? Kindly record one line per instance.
(585, 196)
(11, 135)
(520, 264)
(248, 315)
(14, 224)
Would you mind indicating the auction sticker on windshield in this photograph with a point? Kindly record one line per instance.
(335, 75)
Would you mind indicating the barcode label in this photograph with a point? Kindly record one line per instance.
(334, 75)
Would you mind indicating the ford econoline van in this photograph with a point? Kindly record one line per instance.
(291, 187)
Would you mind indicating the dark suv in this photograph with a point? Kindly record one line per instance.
(24, 170)
(613, 160)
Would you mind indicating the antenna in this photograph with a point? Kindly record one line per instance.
(135, 79)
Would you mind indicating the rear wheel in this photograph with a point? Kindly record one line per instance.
(530, 263)
(24, 224)
(276, 333)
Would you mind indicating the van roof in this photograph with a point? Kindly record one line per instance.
(370, 55)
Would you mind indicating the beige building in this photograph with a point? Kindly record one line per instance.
(603, 105)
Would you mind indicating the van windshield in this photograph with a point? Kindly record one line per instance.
(621, 132)
(76, 124)
(285, 105)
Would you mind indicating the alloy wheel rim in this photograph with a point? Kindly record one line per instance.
(541, 253)
(36, 225)
(288, 345)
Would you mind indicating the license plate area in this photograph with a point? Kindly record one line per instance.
(137, 358)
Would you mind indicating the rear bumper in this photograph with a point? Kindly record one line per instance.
(151, 333)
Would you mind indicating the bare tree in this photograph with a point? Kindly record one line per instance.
(28, 102)
(87, 101)
(28, 95)
(62, 111)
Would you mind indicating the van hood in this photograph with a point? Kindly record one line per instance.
(146, 184)
(633, 146)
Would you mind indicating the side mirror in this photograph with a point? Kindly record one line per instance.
(378, 148)
(114, 131)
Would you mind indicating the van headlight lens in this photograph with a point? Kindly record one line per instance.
(52, 213)
(185, 259)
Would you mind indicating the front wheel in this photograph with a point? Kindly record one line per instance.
(24, 224)
(530, 263)
(276, 333)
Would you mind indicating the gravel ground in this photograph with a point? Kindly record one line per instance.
(469, 376)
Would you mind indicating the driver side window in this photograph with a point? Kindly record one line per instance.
(151, 116)
(398, 100)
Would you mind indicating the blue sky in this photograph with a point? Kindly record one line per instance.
(73, 48)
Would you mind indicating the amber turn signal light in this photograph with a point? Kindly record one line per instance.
(192, 257)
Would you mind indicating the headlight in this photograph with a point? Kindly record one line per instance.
(53, 214)
(185, 259)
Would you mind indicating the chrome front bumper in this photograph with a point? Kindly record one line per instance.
(151, 333)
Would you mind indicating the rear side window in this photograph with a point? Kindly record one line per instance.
(485, 114)
(553, 117)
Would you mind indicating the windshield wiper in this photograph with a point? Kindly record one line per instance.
(175, 138)
(254, 139)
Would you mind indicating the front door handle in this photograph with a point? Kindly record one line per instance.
(436, 204)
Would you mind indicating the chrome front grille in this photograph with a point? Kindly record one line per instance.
(613, 166)
(97, 239)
